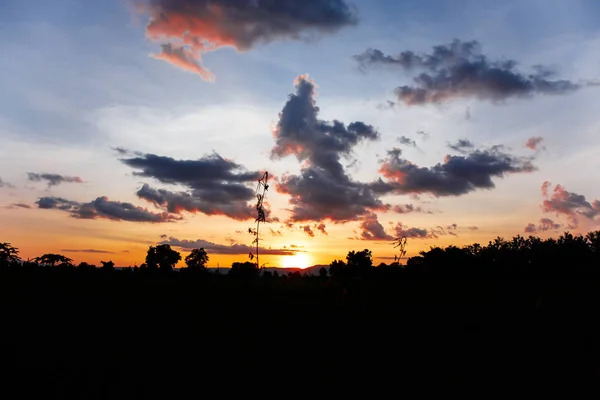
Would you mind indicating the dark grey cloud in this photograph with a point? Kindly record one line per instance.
(20, 205)
(407, 141)
(57, 203)
(457, 175)
(90, 251)
(409, 208)
(122, 151)
(569, 204)
(401, 230)
(215, 248)
(459, 69)
(473, 228)
(199, 26)
(176, 202)
(461, 145)
(299, 132)
(316, 195)
(197, 174)
(545, 224)
(103, 208)
(439, 230)
(323, 189)
(216, 186)
(371, 229)
(53, 179)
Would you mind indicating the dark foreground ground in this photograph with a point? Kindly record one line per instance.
(124, 337)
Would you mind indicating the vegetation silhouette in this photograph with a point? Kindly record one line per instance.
(515, 311)
(261, 216)
(163, 257)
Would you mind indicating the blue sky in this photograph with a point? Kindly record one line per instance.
(78, 80)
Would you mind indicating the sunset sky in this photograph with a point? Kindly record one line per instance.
(126, 124)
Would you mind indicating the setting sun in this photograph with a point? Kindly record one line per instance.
(299, 260)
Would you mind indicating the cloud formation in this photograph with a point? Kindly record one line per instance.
(53, 179)
(103, 208)
(457, 175)
(215, 248)
(216, 186)
(323, 189)
(461, 145)
(460, 70)
(424, 135)
(545, 224)
(407, 141)
(322, 228)
(408, 208)
(275, 233)
(533, 143)
(20, 205)
(177, 202)
(402, 230)
(569, 204)
(371, 229)
(187, 29)
(308, 230)
(5, 184)
(90, 251)
(183, 58)
(439, 230)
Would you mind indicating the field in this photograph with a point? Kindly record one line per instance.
(120, 334)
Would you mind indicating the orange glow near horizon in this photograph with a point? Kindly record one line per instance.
(299, 260)
(36, 232)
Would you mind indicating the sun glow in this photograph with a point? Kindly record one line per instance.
(298, 260)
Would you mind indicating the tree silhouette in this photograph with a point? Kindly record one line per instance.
(107, 265)
(162, 256)
(244, 270)
(359, 261)
(53, 260)
(197, 259)
(8, 254)
(337, 267)
(85, 266)
(323, 272)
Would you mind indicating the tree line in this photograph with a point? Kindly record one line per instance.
(568, 255)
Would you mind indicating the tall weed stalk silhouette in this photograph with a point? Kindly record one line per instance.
(261, 192)
(400, 244)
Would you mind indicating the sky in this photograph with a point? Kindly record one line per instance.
(126, 124)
